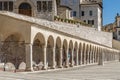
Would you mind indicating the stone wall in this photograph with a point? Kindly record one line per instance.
(116, 44)
(85, 33)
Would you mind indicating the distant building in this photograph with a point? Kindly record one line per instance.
(89, 11)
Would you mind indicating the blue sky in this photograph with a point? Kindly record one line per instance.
(110, 9)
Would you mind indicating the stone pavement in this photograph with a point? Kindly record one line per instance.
(110, 71)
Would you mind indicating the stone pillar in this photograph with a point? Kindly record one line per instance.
(81, 52)
(88, 60)
(67, 62)
(77, 57)
(29, 57)
(93, 56)
(87, 57)
(53, 59)
(72, 58)
(44, 61)
(119, 56)
(84, 55)
(101, 58)
(61, 58)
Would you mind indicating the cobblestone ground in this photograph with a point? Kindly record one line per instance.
(110, 71)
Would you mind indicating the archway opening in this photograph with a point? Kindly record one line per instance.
(49, 55)
(57, 56)
(64, 60)
(70, 53)
(13, 53)
(38, 51)
(25, 9)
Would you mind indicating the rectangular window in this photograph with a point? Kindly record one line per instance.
(39, 6)
(91, 22)
(74, 13)
(90, 13)
(44, 6)
(49, 6)
(6, 6)
(0, 5)
(10, 6)
(82, 13)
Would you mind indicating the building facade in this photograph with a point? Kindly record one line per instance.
(89, 11)
(36, 8)
(33, 43)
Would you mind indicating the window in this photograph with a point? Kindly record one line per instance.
(44, 6)
(90, 13)
(10, 6)
(39, 7)
(49, 6)
(74, 13)
(91, 22)
(82, 13)
(6, 5)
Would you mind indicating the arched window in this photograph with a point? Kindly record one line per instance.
(25, 9)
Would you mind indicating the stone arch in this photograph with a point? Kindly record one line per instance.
(13, 50)
(75, 53)
(38, 48)
(58, 47)
(65, 46)
(70, 52)
(49, 54)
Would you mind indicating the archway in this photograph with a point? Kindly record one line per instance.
(75, 53)
(80, 54)
(64, 60)
(70, 53)
(58, 54)
(13, 52)
(49, 55)
(25, 9)
(38, 51)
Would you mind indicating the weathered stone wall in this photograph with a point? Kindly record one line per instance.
(116, 44)
(80, 31)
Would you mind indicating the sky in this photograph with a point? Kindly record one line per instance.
(110, 10)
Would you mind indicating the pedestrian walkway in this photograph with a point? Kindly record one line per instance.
(110, 71)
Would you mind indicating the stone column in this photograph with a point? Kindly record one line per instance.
(76, 57)
(44, 61)
(72, 59)
(119, 56)
(93, 56)
(53, 59)
(67, 62)
(84, 55)
(29, 57)
(61, 58)
(101, 58)
(81, 52)
(88, 60)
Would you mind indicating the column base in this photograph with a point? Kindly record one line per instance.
(53, 67)
(60, 66)
(71, 65)
(66, 66)
(44, 68)
(29, 69)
